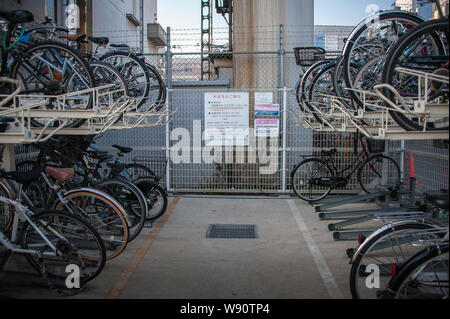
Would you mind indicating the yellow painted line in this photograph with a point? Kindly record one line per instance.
(135, 261)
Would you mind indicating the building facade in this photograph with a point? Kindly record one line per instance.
(131, 22)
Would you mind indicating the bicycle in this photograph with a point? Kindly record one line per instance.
(45, 68)
(391, 247)
(101, 210)
(49, 239)
(140, 175)
(127, 194)
(423, 49)
(314, 177)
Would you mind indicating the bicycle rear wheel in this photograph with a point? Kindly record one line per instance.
(379, 172)
(306, 179)
(76, 240)
(424, 276)
(134, 71)
(370, 40)
(386, 251)
(424, 48)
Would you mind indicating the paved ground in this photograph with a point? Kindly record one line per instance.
(294, 256)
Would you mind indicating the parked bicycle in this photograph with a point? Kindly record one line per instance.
(314, 178)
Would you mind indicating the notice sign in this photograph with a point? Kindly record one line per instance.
(267, 110)
(267, 128)
(263, 98)
(227, 119)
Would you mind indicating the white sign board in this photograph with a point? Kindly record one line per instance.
(227, 119)
(267, 127)
(263, 98)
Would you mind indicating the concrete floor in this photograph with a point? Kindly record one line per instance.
(295, 256)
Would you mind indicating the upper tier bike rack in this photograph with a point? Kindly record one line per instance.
(111, 110)
(374, 119)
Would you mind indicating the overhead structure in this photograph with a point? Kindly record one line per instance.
(225, 7)
(206, 39)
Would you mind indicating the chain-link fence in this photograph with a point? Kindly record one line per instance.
(262, 61)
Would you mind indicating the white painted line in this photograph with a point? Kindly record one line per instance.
(333, 290)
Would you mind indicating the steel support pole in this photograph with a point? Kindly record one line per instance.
(168, 104)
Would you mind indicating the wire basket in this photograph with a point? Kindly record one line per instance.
(158, 164)
(307, 56)
(376, 146)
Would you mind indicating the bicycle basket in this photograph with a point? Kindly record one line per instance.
(376, 146)
(307, 56)
(158, 164)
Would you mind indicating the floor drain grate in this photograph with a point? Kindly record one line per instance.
(232, 231)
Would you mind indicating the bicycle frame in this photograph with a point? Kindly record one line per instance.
(360, 159)
(22, 212)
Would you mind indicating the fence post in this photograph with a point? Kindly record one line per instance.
(281, 56)
(284, 150)
(168, 106)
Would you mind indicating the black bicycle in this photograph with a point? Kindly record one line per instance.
(44, 68)
(315, 177)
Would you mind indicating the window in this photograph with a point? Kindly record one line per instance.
(50, 9)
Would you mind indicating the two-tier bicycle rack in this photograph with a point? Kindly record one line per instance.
(374, 121)
(107, 113)
(111, 110)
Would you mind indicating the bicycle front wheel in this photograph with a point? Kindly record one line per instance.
(132, 199)
(379, 172)
(53, 68)
(308, 180)
(77, 242)
(104, 213)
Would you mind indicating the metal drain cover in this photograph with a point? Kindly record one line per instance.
(232, 231)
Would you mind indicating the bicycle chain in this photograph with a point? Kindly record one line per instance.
(67, 292)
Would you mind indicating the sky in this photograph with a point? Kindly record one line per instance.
(185, 14)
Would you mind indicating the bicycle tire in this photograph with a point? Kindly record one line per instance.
(6, 211)
(315, 90)
(397, 53)
(82, 68)
(300, 167)
(383, 238)
(394, 174)
(357, 34)
(156, 196)
(303, 84)
(162, 93)
(109, 57)
(132, 200)
(413, 268)
(112, 226)
(84, 245)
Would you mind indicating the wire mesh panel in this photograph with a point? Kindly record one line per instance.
(195, 166)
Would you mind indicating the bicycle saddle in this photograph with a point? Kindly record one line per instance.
(73, 37)
(23, 177)
(17, 16)
(329, 152)
(114, 45)
(438, 199)
(60, 174)
(123, 149)
(99, 40)
(100, 155)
